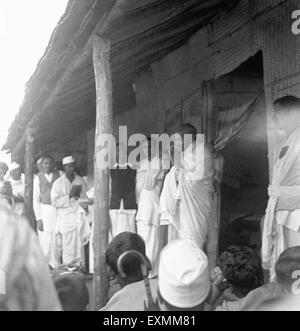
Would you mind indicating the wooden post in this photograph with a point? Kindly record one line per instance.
(104, 123)
(29, 164)
(210, 133)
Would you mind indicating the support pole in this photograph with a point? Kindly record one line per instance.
(29, 164)
(212, 246)
(104, 124)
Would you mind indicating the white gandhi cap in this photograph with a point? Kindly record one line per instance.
(14, 166)
(183, 274)
(68, 160)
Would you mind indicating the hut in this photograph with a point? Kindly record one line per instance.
(151, 65)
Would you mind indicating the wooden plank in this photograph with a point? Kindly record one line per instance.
(29, 164)
(104, 125)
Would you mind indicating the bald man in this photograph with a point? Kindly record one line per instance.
(185, 201)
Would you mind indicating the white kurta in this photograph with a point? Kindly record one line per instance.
(282, 223)
(148, 215)
(72, 223)
(46, 213)
(186, 197)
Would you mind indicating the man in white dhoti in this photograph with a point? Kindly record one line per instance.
(148, 215)
(45, 213)
(185, 202)
(17, 182)
(281, 228)
(68, 196)
(123, 205)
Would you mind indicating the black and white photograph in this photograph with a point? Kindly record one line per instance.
(150, 158)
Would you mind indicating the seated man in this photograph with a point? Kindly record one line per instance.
(241, 268)
(184, 283)
(25, 285)
(287, 277)
(72, 292)
(280, 295)
(133, 293)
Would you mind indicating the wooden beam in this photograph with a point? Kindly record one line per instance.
(29, 164)
(104, 125)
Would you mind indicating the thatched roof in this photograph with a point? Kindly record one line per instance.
(60, 96)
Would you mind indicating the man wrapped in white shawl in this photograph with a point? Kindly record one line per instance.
(185, 202)
(281, 228)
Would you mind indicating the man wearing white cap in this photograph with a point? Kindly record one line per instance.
(69, 197)
(184, 280)
(18, 186)
(45, 213)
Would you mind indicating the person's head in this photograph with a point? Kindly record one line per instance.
(288, 268)
(69, 165)
(187, 129)
(15, 171)
(124, 242)
(3, 170)
(183, 277)
(72, 292)
(242, 269)
(182, 138)
(48, 164)
(287, 113)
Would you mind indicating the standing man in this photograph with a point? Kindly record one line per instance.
(69, 197)
(281, 228)
(18, 187)
(185, 202)
(45, 213)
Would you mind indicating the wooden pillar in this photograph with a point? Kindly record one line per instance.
(104, 124)
(210, 129)
(29, 164)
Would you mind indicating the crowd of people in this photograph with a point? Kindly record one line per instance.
(163, 216)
